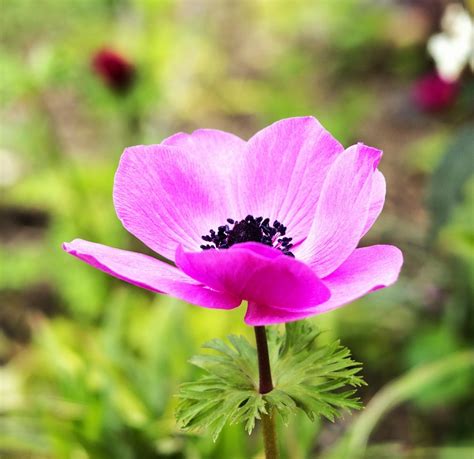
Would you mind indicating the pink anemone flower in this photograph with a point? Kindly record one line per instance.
(274, 221)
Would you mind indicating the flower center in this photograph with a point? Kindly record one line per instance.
(250, 229)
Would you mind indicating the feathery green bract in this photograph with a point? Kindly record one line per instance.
(305, 376)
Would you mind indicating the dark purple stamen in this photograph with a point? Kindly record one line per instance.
(249, 229)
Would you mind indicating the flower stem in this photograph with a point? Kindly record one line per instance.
(265, 386)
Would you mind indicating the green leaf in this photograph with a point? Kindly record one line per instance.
(306, 377)
(447, 184)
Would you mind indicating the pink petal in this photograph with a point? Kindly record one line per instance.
(255, 272)
(282, 174)
(220, 151)
(367, 269)
(342, 210)
(149, 273)
(217, 148)
(167, 196)
(258, 314)
(377, 200)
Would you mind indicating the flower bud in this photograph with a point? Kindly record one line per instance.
(431, 93)
(114, 70)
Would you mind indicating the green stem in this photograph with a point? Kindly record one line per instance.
(269, 436)
(265, 386)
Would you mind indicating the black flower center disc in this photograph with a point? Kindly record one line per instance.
(250, 229)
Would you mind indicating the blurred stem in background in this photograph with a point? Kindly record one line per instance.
(402, 389)
(55, 148)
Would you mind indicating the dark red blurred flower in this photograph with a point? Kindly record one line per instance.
(431, 93)
(116, 71)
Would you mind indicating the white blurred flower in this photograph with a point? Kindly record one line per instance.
(453, 49)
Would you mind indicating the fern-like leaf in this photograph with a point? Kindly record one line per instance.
(306, 377)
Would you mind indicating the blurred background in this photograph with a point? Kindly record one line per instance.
(89, 365)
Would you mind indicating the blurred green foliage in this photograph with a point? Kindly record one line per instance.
(90, 365)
